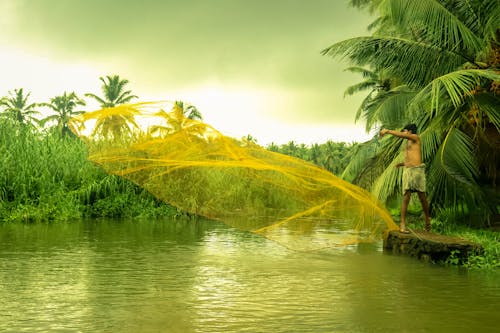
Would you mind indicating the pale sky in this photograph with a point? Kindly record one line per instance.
(249, 66)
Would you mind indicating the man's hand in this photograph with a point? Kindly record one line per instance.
(384, 132)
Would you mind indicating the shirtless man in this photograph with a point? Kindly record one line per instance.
(413, 173)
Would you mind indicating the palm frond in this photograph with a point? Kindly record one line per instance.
(457, 157)
(362, 153)
(388, 108)
(366, 73)
(125, 97)
(447, 191)
(457, 85)
(489, 104)
(482, 17)
(362, 86)
(431, 139)
(397, 56)
(97, 98)
(437, 25)
(389, 182)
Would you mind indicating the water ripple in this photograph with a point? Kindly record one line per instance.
(204, 277)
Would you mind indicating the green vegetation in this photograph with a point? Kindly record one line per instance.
(64, 107)
(435, 63)
(45, 173)
(47, 177)
(113, 88)
(16, 107)
(489, 240)
(332, 156)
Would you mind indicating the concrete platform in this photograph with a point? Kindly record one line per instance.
(428, 246)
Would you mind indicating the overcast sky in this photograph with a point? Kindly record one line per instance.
(250, 66)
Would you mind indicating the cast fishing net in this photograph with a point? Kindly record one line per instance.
(193, 167)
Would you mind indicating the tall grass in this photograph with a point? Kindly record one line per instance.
(47, 177)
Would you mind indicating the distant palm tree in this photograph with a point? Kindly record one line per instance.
(64, 106)
(16, 107)
(188, 111)
(114, 94)
(181, 117)
(248, 139)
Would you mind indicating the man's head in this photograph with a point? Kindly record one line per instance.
(410, 128)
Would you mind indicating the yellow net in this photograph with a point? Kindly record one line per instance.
(193, 167)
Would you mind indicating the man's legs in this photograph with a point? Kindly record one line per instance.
(404, 208)
(425, 207)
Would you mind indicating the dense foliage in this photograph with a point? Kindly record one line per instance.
(435, 63)
(47, 177)
(45, 173)
(332, 156)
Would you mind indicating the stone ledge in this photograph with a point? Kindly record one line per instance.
(427, 246)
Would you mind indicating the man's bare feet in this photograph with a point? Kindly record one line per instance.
(403, 230)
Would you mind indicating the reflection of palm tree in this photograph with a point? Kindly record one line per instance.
(16, 107)
(182, 117)
(119, 124)
(443, 57)
(64, 106)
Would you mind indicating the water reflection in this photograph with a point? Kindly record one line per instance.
(201, 276)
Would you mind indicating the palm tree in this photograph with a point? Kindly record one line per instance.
(63, 106)
(182, 116)
(113, 90)
(445, 54)
(17, 108)
(114, 125)
(248, 140)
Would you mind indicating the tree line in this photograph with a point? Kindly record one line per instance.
(17, 108)
(46, 173)
(332, 156)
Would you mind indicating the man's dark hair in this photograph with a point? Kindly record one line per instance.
(411, 127)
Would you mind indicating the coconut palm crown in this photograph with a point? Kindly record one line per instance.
(17, 108)
(113, 88)
(182, 116)
(118, 125)
(64, 107)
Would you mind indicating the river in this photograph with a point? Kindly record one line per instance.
(203, 276)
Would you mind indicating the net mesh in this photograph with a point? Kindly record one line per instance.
(192, 166)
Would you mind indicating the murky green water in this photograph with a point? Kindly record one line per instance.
(187, 276)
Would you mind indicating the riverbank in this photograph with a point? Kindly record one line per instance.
(48, 179)
(488, 238)
(430, 247)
